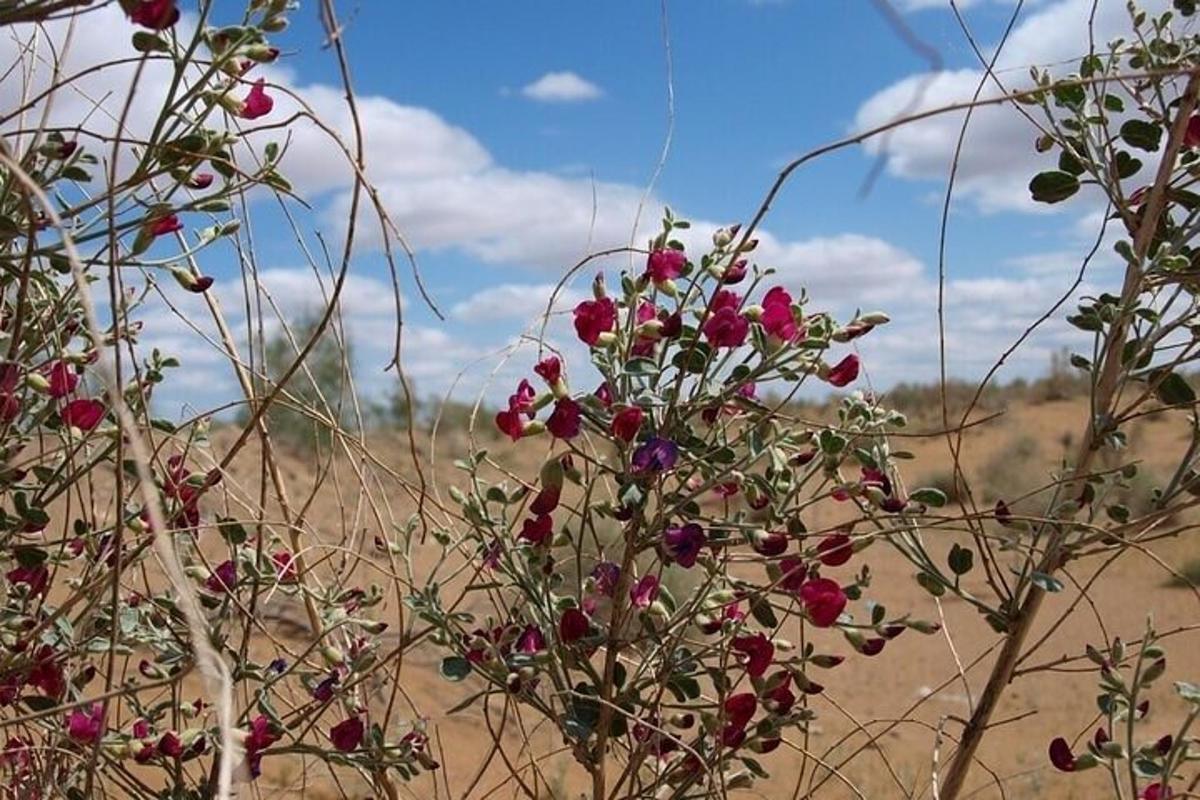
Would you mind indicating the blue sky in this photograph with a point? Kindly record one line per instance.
(491, 126)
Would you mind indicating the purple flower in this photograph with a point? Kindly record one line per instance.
(531, 640)
(606, 574)
(683, 544)
(645, 591)
(656, 455)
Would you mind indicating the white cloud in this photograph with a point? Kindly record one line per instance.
(561, 87)
(513, 301)
(998, 157)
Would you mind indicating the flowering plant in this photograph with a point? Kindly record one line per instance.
(639, 586)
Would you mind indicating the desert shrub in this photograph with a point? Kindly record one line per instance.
(1014, 470)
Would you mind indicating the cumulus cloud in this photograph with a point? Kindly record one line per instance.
(561, 87)
(998, 157)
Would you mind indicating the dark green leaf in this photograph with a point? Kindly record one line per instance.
(455, 668)
(1141, 134)
(1053, 186)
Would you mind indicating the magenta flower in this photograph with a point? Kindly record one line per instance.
(170, 745)
(323, 691)
(550, 369)
(258, 103)
(63, 379)
(604, 394)
(734, 273)
(1191, 137)
(511, 424)
(627, 422)
(739, 710)
(262, 734)
(723, 299)
(823, 600)
(835, 549)
(347, 735)
(683, 544)
(732, 612)
(594, 317)
(201, 180)
(1061, 756)
(573, 626)
(726, 328)
(156, 15)
(1156, 791)
(537, 531)
(757, 652)
(844, 372)
(85, 727)
(779, 699)
(83, 414)
(665, 264)
(655, 455)
(565, 419)
(531, 640)
(36, 578)
(546, 501)
(285, 565)
(161, 226)
(223, 578)
(777, 319)
(769, 544)
(644, 592)
(522, 399)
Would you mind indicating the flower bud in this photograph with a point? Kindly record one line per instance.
(875, 318)
(333, 656)
(551, 475)
(533, 428)
(598, 289)
(723, 237)
(753, 312)
(37, 382)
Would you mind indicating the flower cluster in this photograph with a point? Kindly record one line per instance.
(665, 533)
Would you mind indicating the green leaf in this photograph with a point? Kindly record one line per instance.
(1141, 134)
(1188, 691)
(232, 531)
(641, 366)
(1174, 390)
(1047, 583)
(929, 496)
(961, 559)
(931, 584)
(1053, 186)
(455, 668)
(1067, 162)
(1126, 165)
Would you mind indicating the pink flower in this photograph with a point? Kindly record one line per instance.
(757, 651)
(347, 735)
(726, 328)
(777, 319)
(63, 379)
(564, 420)
(83, 414)
(627, 422)
(739, 710)
(285, 566)
(573, 625)
(522, 399)
(511, 423)
(262, 734)
(85, 726)
(594, 317)
(844, 372)
(164, 225)
(1156, 791)
(665, 264)
(156, 15)
(835, 549)
(257, 103)
(732, 612)
(794, 574)
(645, 591)
(201, 180)
(823, 601)
(725, 299)
(683, 544)
(550, 369)
(223, 578)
